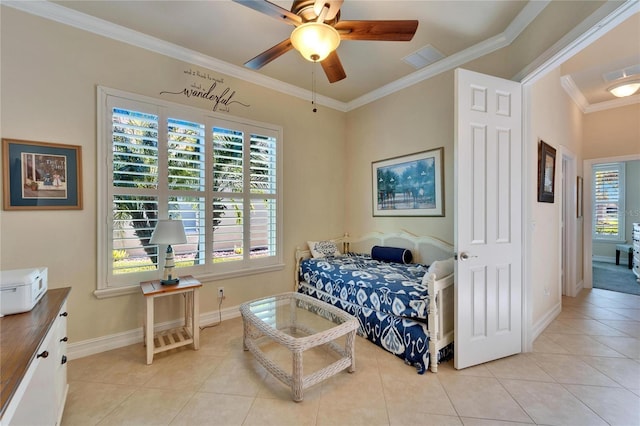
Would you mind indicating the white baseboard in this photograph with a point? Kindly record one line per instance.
(605, 259)
(624, 259)
(540, 326)
(106, 343)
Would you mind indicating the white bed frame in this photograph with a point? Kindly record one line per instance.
(425, 250)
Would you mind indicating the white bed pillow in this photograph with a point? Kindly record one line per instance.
(323, 248)
(441, 268)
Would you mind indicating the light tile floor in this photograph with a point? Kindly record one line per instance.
(584, 370)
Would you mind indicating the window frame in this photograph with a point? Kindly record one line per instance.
(620, 236)
(107, 284)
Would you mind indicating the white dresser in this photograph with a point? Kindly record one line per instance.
(34, 363)
(636, 250)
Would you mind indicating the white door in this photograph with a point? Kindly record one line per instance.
(488, 210)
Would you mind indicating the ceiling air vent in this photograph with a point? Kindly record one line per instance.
(623, 73)
(423, 57)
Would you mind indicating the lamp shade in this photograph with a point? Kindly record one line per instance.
(168, 232)
(625, 89)
(315, 40)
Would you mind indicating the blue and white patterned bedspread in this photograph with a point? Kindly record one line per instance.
(383, 287)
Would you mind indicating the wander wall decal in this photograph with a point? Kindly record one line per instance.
(206, 86)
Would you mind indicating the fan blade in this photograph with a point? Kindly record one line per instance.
(272, 10)
(269, 55)
(333, 67)
(334, 7)
(377, 30)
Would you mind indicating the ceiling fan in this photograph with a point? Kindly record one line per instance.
(319, 30)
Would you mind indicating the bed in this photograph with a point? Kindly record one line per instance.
(407, 309)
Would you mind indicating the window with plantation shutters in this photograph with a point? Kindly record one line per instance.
(218, 176)
(244, 185)
(608, 201)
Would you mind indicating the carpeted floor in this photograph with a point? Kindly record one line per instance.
(609, 276)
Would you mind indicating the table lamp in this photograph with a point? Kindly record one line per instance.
(169, 232)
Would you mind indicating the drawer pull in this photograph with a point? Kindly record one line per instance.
(64, 339)
(64, 314)
(43, 354)
(64, 359)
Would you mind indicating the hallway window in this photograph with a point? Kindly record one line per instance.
(608, 201)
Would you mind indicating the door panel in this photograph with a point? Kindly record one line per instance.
(488, 187)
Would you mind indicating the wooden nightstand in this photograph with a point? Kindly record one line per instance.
(188, 334)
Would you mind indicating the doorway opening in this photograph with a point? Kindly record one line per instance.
(600, 267)
(569, 237)
(610, 262)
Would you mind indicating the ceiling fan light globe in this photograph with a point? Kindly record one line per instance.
(315, 40)
(625, 89)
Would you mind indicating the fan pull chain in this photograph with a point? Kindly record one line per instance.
(313, 86)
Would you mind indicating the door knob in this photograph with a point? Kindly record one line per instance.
(465, 256)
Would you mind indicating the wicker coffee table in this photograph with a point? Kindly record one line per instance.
(299, 322)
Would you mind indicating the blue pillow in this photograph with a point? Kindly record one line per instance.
(391, 254)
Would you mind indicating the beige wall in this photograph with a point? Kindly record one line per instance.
(611, 133)
(556, 120)
(49, 77)
(416, 119)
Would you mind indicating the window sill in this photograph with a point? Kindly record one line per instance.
(242, 273)
(105, 293)
(605, 241)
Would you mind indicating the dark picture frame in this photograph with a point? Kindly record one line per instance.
(546, 173)
(409, 185)
(579, 196)
(41, 175)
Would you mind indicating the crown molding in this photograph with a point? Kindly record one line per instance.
(443, 65)
(590, 29)
(524, 18)
(595, 26)
(63, 15)
(574, 93)
(579, 99)
(614, 103)
(107, 29)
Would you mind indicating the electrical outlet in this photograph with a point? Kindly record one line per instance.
(220, 292)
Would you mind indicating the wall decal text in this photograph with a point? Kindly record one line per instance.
(213, 90)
